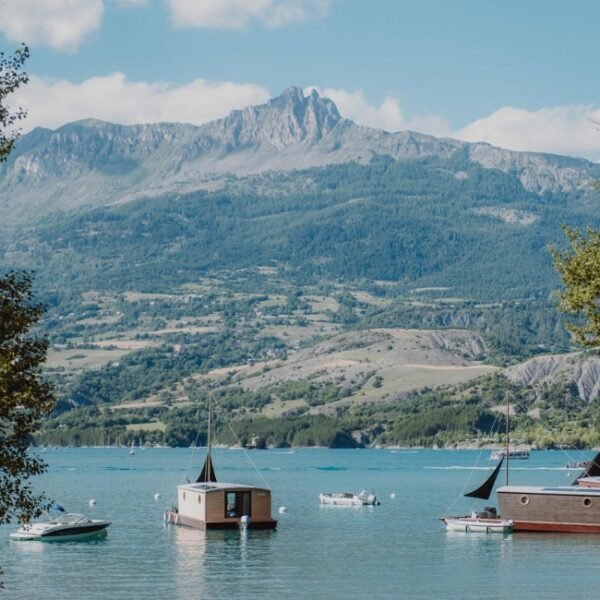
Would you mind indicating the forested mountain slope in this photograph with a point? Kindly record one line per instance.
(413, 223)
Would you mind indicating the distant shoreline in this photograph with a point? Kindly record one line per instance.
(463, 446)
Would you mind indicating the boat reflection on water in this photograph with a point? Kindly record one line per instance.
(223, 560)
(190, 545)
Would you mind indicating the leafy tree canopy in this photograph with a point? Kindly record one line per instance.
(579, 267)
(12, 76)
(24, 396)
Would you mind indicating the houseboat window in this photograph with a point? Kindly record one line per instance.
(199, 499)
(525, 500)
(184, 495)
(230, 508)
(587, 502)
(237, 504)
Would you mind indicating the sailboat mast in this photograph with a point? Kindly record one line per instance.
(207, 475)
(209, 440)
(507, 451)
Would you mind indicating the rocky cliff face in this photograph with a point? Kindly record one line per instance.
(537, 172)
(90, 162)
(577, 368)
(284, 121)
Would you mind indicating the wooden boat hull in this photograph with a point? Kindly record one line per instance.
(551, 509)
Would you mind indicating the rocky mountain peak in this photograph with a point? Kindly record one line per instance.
(92, 162)
(285, 120)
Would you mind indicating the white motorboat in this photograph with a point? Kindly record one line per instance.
(475, 524)
(349, 499)
(66, 527)
(512, 454)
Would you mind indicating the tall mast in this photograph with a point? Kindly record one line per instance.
(209, 441)
(507, 451)
(207, 475)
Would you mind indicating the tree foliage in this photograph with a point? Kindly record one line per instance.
(12, 76)
(24, 396)
(579, 267)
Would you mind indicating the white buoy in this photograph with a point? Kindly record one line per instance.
(393, 495)
(282, 510)
(92, 502)
(156, 496)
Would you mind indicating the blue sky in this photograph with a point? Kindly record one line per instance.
(516, 74)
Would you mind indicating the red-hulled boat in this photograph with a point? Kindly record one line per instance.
(570, 509)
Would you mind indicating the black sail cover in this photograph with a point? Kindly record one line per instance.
(485, 489)
(207, 475)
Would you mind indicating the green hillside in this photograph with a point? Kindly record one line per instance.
(413, 223)
(149, 299)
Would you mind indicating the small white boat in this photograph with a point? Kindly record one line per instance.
(579, 465)
(512, 454)
(349, 499)
(474, 524)
(66, 527)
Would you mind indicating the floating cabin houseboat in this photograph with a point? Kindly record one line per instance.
(570, 508)
(210, 504)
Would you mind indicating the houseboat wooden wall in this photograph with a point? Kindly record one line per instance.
(576, 510)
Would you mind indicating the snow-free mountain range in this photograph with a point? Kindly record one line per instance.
(286, 197)
(91, 163)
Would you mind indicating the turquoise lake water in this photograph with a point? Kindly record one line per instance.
(396, 550)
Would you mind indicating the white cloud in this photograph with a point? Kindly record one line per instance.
(64, 24)
(60, 24)
(51, 103)
(570, 130)
(388, 115)
(239, 14)
(559, 130)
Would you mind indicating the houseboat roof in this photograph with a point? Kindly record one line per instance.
(216, 486)
(567, 490)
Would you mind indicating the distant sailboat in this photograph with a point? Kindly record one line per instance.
(487, 520)
(132, 448)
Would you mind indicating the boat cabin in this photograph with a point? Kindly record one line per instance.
(217, 505)
(588, 482)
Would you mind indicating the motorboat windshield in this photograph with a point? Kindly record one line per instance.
(68, 519)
